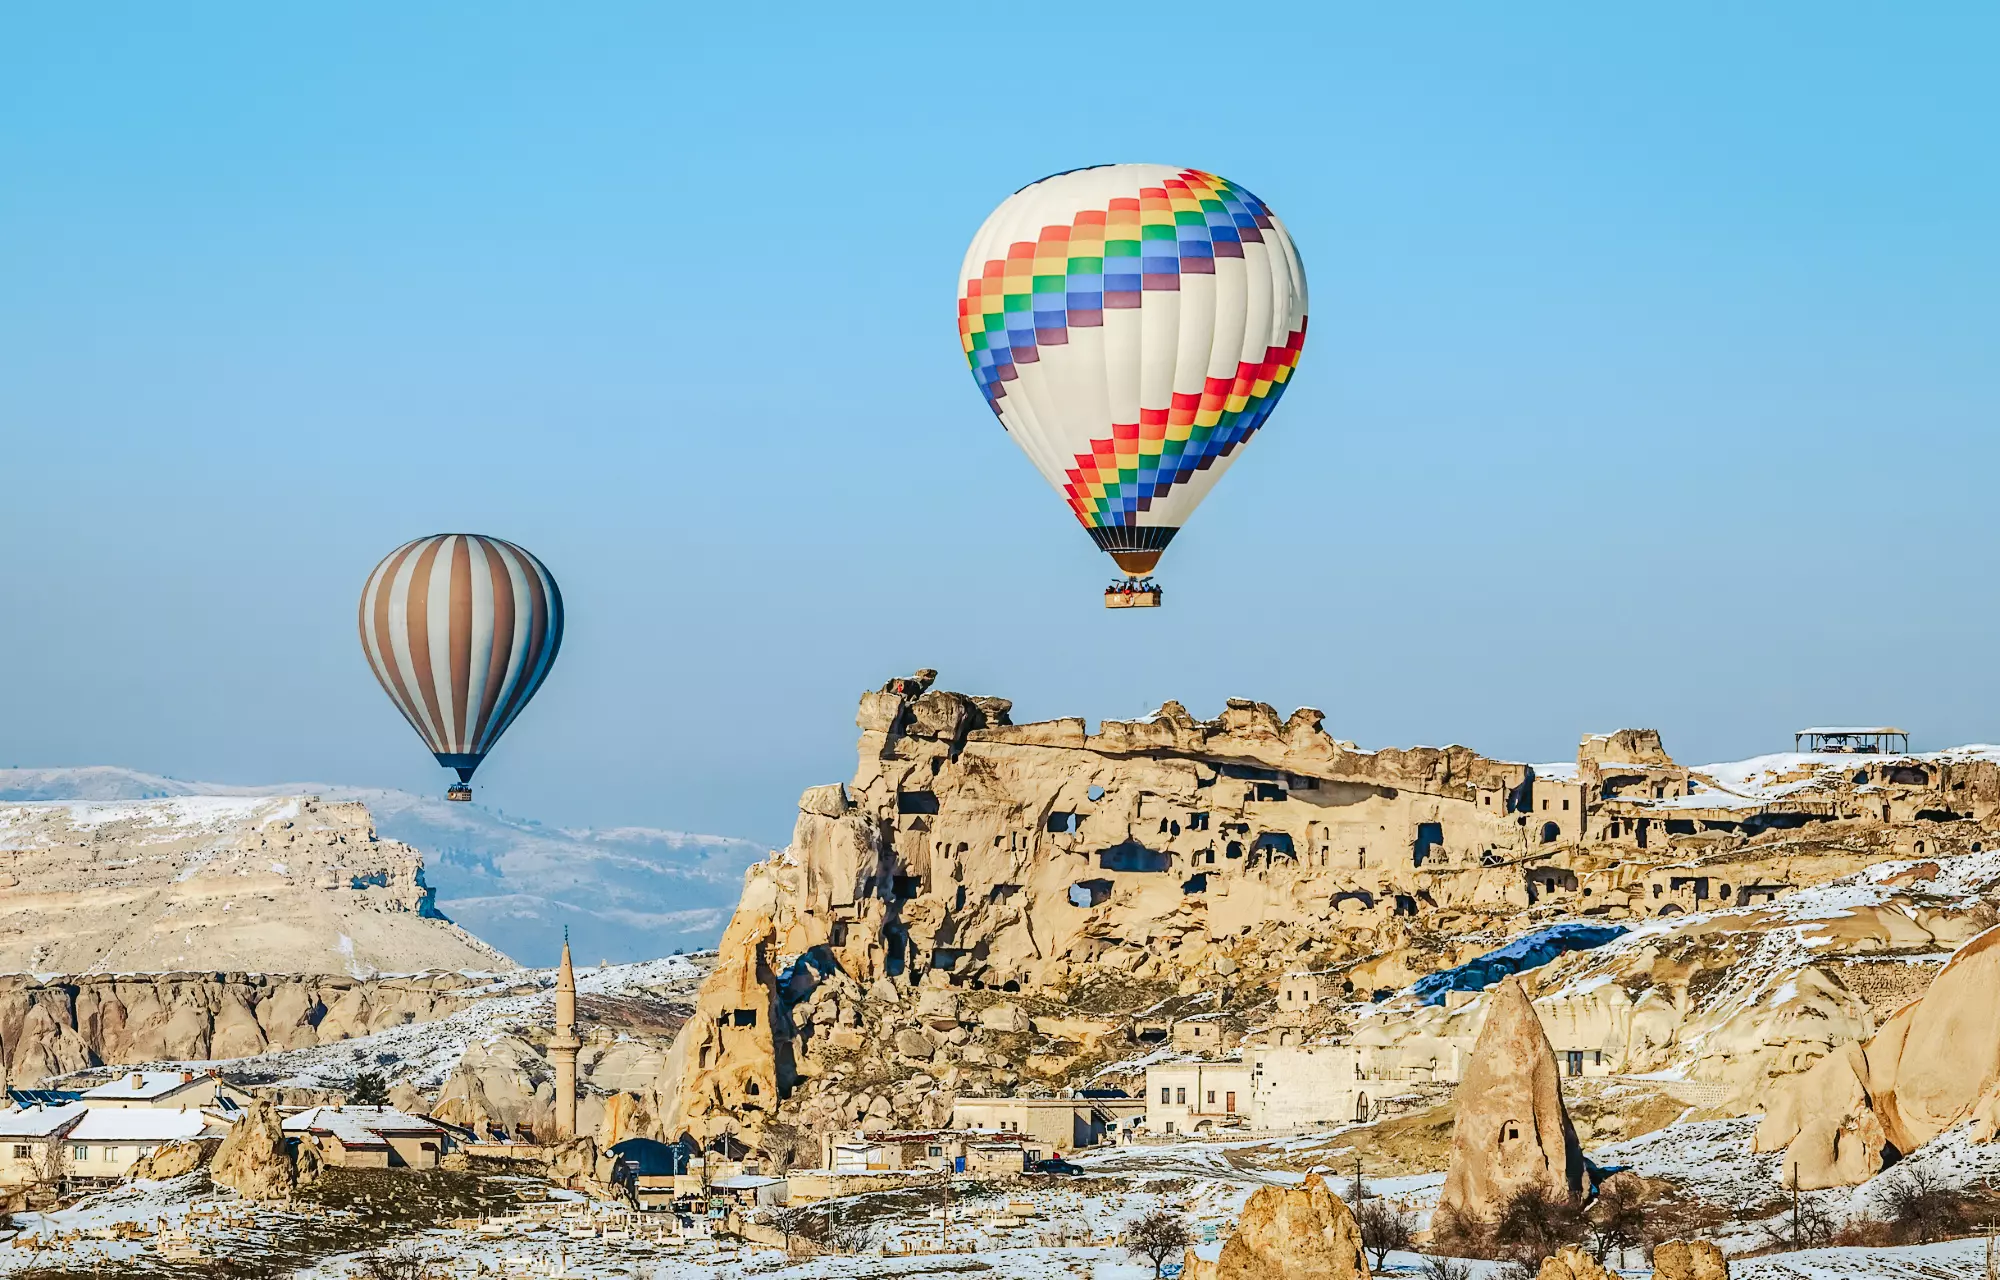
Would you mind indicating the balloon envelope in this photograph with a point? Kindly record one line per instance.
(461, 630)
(1132, 326)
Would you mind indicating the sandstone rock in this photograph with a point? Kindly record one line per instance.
(1572, 1263)
(1004, 1017)
(1513, 1132)
(254, 1158)
(174, 1159)
(1293, 1233)
(912, 1043)
(1932, 1067)
(1689, 1260)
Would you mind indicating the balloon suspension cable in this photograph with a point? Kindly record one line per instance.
(458, 791)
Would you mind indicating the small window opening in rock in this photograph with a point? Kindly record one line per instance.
(1089, 893)
(907, 886)
(1429, 836)
(1510, 1132)
(1550, 832)
(1095, 793)
(1197, 822)
(1235, 850)
(1269, 791)
(751, 1088)
(1061, 822)
(1196, 883)
(916, 802)
(743, 1017)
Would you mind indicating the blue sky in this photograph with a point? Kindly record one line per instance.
(1653, 379)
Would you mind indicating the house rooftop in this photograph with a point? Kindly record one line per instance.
(361, 1126)
(140, 1086)
(39, 1121)
(139, 1124)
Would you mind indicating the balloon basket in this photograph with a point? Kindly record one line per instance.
(1128, 595)
(458, 791)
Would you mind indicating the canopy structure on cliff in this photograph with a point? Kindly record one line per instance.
(1529, 952)
(1851, 740)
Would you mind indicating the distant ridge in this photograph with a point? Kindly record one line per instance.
(628, 893)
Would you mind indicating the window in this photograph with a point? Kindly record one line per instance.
(1170, 1126)
(22, 1151)
(1545, 804)
(1565, 804)
(937, 1151)
(1211, 1097)
(1180, 1097)
(1166, 1094)
(83, 1153)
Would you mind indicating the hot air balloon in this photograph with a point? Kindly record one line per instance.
(1132, 326)
(461, 630)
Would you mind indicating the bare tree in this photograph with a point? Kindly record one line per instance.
(1434, 1267)
(52, 1163)
(1618, 1219)
(402, 1263)
(1158, 1236)
(1385, 1228)
(1534, 1224)
(1922, 1209)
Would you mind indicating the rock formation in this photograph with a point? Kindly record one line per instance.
(1572, 1263)
(1935, 1065)
(1512, 1133)
(56, 1026)
(1689, 1260)
(175, 1158)
(254, 1158)
(275, 884)
(1038, 869)
(1289, 1233)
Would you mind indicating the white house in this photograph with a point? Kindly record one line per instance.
(171, 1089)
(108, 1141)
(26, 1134)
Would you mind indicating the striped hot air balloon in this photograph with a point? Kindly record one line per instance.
(1132, 326)
(461, 629)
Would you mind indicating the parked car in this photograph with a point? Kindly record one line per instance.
(1063, 1167)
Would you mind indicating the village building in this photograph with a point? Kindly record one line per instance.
(108, 1141)
(371, 1137)
(31, 1142)
(1065, 1124)
(169, 1089)
(1194, 1097)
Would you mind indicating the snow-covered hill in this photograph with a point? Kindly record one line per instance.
(627, 893)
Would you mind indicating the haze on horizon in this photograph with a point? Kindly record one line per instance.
(1652, 380)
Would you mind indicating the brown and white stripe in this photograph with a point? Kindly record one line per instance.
(461, 630)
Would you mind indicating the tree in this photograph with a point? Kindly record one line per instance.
(1922, 1209)
(1534, 1225)
(1618, 1219)
(1433, 1267)
(52, 1162)
(1158, 1236)
(402, 1263)
(1385, 1228)
(370, 1090)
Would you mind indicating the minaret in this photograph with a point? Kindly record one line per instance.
(563, 1046)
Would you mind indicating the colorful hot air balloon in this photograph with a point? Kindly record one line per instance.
(1132, 325)
(461, 630)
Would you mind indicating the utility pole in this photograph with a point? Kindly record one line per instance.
(1795, 1207)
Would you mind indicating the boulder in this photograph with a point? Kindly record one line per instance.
(1572, 1263)
(1689, 1260)
(174, 1159)
(1292, 1233)
(1513, 1132)
(254, 1158)
(1003, 1017)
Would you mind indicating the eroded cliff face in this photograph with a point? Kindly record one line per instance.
(60, 1025)
(991, 906)
(274, 884)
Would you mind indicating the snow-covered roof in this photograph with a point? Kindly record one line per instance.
(1844, 730)
(1560, 771)
(360, 1126)
(744, 1182)
(38, 1122)
(139, 1124)
(140, 1086)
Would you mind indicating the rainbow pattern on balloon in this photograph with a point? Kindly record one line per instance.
(1106, 260)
